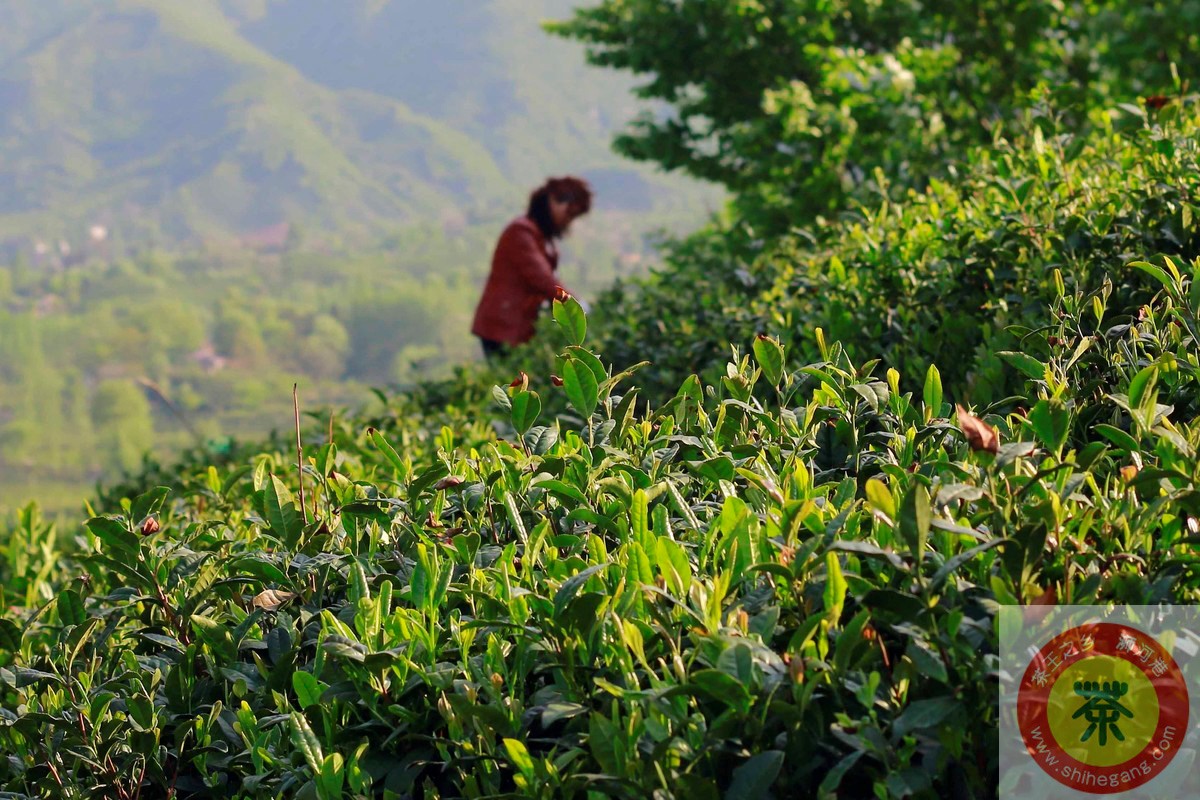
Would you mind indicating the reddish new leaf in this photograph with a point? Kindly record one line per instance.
(449, 482)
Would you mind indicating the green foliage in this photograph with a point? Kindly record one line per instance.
(122, 414)
(767, 563)
(959, 274)
(795, 105)
(715, 595)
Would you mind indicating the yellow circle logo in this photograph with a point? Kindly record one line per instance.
(1103, 711)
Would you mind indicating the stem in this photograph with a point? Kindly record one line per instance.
(299, 450)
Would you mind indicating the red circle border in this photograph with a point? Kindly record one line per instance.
(1173, 703)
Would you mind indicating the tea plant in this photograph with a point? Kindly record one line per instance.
(719, 595)
(941, 276)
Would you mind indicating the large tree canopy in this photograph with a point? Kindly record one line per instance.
(794, 103)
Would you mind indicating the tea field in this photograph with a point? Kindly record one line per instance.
(741, 534)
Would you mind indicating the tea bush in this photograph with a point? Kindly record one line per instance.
(770, 569)
(943, 275)
(720, 595)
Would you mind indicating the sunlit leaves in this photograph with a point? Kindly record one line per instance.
(932, 393)
(769, 354)
(526, 407)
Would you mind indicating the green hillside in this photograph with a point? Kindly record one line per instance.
(176, 121)
(221, 138)
(528, 99)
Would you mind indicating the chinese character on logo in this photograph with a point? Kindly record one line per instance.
(1102, 708)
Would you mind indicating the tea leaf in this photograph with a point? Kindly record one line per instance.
(571, 586)
(526, 407)
(1051, 423)
(769, 354)
(148, 503)
(835, 588)
(754, 779)
(925, 714)
(389, 453)
(581, 387)
(306, 742)
(70, 608)
(570, 316)
(1025, 363)
(282, 515)
(114, 534)
(932, 393)
(307, 688)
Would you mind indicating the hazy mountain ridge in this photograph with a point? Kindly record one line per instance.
(220, 117)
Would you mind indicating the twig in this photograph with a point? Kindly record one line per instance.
(299, 450)
(146, 383)
(140, 781)
(324, 478)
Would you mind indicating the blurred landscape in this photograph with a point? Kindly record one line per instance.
(209, 201)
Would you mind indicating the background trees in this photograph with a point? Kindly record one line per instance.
(795, 105)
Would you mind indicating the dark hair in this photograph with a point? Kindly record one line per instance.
(571, 189)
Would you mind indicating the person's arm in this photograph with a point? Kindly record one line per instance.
(532, 265)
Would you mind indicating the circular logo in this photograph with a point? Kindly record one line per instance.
(1102, 708)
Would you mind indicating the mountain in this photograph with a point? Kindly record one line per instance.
(177, 121)
(483, 66)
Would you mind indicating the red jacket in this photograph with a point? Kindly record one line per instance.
(522, 278)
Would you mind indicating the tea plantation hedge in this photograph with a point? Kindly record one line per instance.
(941, 277)
(778, 579)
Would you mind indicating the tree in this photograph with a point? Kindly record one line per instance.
(794, 104)
(123, 424)
(238, 335)
(323, 351)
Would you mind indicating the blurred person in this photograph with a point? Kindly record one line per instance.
(525, 264)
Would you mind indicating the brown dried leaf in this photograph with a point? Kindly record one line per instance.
(449, 482)
(271, 599)
(980, 435)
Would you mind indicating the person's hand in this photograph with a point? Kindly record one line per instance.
(562, 296)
